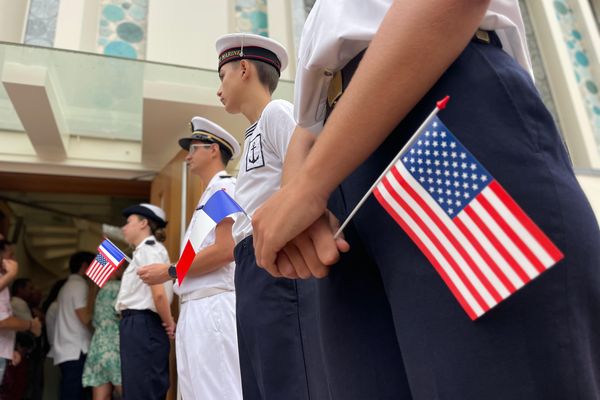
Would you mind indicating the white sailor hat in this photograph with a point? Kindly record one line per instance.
(237, 46)
(209, 132)
(150, 211)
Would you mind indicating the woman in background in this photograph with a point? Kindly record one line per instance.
(102, 369)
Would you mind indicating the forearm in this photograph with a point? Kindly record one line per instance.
(6, 279)
(84, 316)
(300, 144)
(161, 302)
(210, 259)
(217, 255)
(15, 324)
(91, 300)
(371, 107)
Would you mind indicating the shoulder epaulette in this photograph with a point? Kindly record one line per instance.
(150, 242)
(225, 176)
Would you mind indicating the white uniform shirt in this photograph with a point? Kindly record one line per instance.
(338, 30)
(259, 176)
(134, 294)
(71, 336)
(221, 278)
(7, 337)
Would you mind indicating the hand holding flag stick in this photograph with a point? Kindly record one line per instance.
(474, 234)
(440, 105)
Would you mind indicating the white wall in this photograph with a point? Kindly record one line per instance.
(281, 29)
(13, 20)
(77, 25)
(184, 32)
(591, 187)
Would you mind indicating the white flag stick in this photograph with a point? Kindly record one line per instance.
(440, 105)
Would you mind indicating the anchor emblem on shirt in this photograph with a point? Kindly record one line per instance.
(254, 153)
(253, 157)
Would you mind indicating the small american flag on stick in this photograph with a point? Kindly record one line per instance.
(105, 264)
(475, 235)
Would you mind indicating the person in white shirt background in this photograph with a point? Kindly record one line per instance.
(146, 324)
(390, 327)
(72, 332)
(208, 365)
(10, 324)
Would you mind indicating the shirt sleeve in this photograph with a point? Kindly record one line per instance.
(279, 124)
(145, 255)
(310, 97)
(80, 296)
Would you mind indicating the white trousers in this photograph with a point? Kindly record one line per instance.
(208, 365)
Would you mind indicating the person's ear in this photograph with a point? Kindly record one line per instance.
(245, 69)
(214, 150)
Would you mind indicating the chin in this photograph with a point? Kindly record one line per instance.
(231, 109)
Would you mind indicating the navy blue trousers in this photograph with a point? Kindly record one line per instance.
(71, 373)
(144, 355)
(391, 329)
(280, 357)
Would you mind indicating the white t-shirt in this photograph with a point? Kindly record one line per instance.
(338, 30)
(71, 336)
(134, 294)
(223, 277)
(20, 308)
(50, 319)
(259, 176)
(7, 336)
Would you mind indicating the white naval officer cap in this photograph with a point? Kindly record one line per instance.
(150, 211)
(209, 132)
(238, 46)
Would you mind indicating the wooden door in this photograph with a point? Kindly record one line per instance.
(167, 192)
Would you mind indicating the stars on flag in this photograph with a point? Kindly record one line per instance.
(444, 169)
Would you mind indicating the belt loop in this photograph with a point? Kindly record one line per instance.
(482, 36)
(335, 89)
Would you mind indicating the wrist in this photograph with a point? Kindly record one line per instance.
(307, 183)
(172, 271)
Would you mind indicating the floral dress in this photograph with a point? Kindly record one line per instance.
(103, 362)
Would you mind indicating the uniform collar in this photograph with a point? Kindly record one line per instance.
(216, 177)
(143, 242)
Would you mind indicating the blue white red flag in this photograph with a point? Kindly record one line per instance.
(218, 207)
(105, 264)
(479, 240)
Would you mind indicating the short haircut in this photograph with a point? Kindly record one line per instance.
(78, 259)
(267, 74)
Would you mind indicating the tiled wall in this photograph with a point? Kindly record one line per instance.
(41, 22)
(122, 30)
(578, 46)
(251, 16)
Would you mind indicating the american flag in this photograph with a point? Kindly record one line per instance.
(479, 240)
(107, 261)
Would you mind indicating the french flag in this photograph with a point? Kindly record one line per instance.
(218, 207)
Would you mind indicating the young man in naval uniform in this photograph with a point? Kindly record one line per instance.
(272, 316)
(206, 339)
(391, 329)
